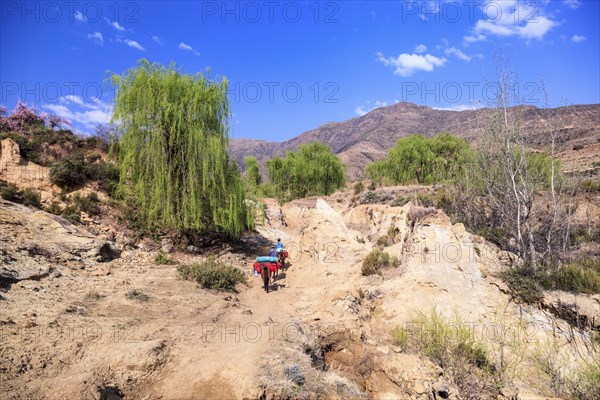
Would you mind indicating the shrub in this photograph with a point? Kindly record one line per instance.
(10, 192)
(400, 201)
(163, 259)
(358, 187)
(451, 343)
(376, 260)
(582, 277)
(87, 204)
(71, 213)
(32, 198)
(211, 274)
(577, 147)
(587, 380)
(69, 173)
(524, 285)
(135, 294)
(54, 208)
(590, 186)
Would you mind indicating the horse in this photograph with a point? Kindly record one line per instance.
(281, 258)
(265, 274)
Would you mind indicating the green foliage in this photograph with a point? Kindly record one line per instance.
(589, 186)
(211, 274)
(54, 208)
(69, 173)
(587, 382)
(376, 260)
(71, 213)
(32, 198)
(311, 170)
(358, 187)
(452, 344)
(10, 192)
(87, 204)
(172, 154)
(417, 159)
(253, 176)
(372, 197)
(400, 201)
(525, 285)
(163, 259)
(27, 197)
(580, 277)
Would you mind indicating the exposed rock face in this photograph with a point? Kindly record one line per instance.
(361, 140)
(35, 243)
(25, 174)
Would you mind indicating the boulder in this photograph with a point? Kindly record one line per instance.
(108, 252)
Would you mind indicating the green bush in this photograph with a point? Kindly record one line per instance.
(10, 192)
(581, 277)
(163, 259)
(589, 186)
(211, 274)
(525, 285)
(32, 198)
(88, 204)
(376, 260)
(54, 208)
(400, 201)
(69, 173)
(358, 187)
(71, 213)
(452, 344)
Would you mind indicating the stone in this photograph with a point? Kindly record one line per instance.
(193, 249)
(108, 252)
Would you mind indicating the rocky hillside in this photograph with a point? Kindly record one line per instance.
(361, 140)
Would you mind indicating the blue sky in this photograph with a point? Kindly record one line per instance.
(293, 66)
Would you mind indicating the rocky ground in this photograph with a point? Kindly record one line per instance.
(84, 317)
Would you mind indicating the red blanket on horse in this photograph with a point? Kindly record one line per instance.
(273, 266)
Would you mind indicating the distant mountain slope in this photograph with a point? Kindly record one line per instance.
(360, 140)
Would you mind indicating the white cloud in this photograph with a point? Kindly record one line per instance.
(578, 38)
(407, 64)
(421, 48)
(79, 17)
(459, 107)
(453, 51)
(97, 38)
(158, 40)
(115, 25)
(506, 18)
(574, 4)
(132, 43)
(86, 114)
(367, 107)
(187, 47)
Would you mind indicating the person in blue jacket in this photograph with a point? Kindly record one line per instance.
(279, 245)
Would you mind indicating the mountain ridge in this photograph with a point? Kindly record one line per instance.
(366, 138)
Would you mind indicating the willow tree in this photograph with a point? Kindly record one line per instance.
(173, 150)
(311, 170)
(417, 159)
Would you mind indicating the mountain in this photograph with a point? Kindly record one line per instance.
(361, 140)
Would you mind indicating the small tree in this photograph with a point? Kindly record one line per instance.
(311, 170)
